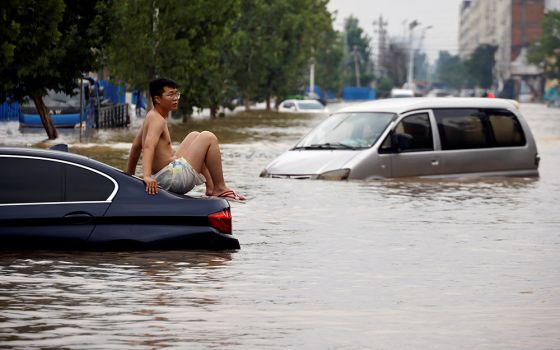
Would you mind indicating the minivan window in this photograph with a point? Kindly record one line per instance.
(27, 180)
(413, 134)
(478, 128)
(506, 128)
(347, 130)
(418, 132)
(86, 185)
(462, 129)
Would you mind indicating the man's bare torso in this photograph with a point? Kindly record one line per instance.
(163, 152)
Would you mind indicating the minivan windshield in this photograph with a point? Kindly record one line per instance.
(347, 131)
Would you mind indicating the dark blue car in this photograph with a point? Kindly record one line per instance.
(58, 200)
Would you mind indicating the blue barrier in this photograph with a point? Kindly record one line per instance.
(116, 93)
(358, 93)
(9, 111)
(323, 95)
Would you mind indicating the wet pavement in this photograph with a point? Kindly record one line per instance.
(395, 264)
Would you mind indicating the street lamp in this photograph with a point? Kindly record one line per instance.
(410, 71)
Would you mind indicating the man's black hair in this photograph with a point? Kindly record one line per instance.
(157, 86)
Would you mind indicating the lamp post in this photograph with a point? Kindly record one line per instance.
(410, 70)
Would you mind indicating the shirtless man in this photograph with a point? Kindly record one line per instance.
(197, 160)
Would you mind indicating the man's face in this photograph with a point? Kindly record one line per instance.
(169, 99)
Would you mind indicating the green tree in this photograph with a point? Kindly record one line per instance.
(328, 58)
(295, 37)
(54, 42)
(189, 42)
(450, 70)
(358, 54)
(546, 51)
(480, 65)
(253, 52)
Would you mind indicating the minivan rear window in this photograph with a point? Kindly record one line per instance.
(478, 128)
(506, 128)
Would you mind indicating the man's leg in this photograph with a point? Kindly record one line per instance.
(187, 141)
(202, 151)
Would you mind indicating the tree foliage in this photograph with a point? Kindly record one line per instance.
(188, 41)
(450, 70)
(328, 61)
(546, 51)
(480, 66)
(358, 47)
(52, 43)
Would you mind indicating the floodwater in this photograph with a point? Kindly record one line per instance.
(399, 264)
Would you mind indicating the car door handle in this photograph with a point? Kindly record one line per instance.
(435, 162)
(78, 218)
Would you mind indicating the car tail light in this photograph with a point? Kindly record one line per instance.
(221, 221)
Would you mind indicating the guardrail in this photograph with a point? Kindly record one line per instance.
(113, 116)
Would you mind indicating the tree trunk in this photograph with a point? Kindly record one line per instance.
(247, 103)
(45, 117)
(213, 111)
(268, 103)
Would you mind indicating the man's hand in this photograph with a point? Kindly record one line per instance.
(151, 185)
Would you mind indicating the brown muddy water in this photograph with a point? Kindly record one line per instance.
(399, 264)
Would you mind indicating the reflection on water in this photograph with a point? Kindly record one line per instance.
(394, 264)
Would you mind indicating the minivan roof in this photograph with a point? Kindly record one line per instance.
(402, 105)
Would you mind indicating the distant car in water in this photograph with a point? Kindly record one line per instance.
(434, 137)
(302, 106)
(58, 200)
(400, 93)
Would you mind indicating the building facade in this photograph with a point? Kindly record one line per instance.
(511, 25)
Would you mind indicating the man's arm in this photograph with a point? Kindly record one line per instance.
(154, 129)
(135, 151)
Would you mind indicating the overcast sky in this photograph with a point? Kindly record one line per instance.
(442, 15)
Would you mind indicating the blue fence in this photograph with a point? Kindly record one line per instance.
(116, 93)
(9, 111)
(323, 95)
(358, 93)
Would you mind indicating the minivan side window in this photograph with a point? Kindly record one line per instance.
(413, 134)
(474, 128)
(28, 180)
(506, 128)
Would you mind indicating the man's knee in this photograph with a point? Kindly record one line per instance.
(191, 135)
(209, 135)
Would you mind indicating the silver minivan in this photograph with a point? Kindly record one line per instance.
(433, 137)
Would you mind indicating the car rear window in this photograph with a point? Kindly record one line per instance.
(27, 180)
(35, 180)
(85, 185)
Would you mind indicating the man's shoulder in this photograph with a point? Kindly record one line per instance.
(153, 117)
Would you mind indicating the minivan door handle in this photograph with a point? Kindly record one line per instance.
(78, 218)
(435, 162)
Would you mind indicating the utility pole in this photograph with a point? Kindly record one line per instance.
(382, 39)
(312, 78)
(410, 71)
(356, 55)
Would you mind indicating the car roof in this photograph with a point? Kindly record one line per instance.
(402, 105)
(59, 155)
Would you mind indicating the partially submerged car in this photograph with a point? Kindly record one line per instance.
(437, 137)
(302, 106)
(58, 200)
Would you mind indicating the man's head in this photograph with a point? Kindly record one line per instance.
(164, 92)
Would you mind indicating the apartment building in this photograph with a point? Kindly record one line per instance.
(511, 25)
